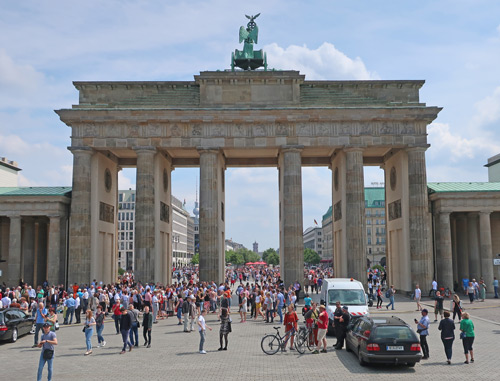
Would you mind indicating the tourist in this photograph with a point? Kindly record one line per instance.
(457, 307)
(322, 328)
(185, 311)
(423, 331)
(390, 294)
(99, 323)
(134, 329)
(51, 318)
(290, 323)
(342, 330)
(70, 309)
(225, 328)
(438, 305)
(470, 291)
(417, 297)
(47, 343)
(78, 308)
(125, 325)
(311, 318)
(202, 327)
(116, 314)
(243, 306)
(269, 302)
(447, 328)
(467, 329)
(495, 287)
(482, 290)
(192, 312)
(41, 314)
(89, 330)
(280, 302)
(24, 305)
(147, 324)
(379, 297)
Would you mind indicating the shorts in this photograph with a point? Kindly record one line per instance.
(438, 311)
(321, 334)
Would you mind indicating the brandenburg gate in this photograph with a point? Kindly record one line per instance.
(254, 119)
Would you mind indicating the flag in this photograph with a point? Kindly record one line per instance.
(184, 201)
(316, 222)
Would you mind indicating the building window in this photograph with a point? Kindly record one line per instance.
(369, 231)
(368, 222)
(382, 213)
(131, 235)
(369, 240)
(120, 197)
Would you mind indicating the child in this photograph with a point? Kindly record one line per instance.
(202, 327)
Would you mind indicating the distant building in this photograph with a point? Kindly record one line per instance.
(231, 245)
(196, 226)
(8, 173)
(493, 169)
(182, 234)
(313, 239)
(256, 247)
(126, 225)
(375, 223)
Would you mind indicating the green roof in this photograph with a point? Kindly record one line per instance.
(327, 214)
(463, 187)
(372, 195)
(35, 191)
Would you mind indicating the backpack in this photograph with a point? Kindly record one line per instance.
(388, 293)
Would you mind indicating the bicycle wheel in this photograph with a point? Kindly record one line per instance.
(270, 344)
(301, 341)
(310, 340)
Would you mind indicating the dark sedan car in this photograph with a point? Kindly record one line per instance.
(383, 340)
(14, 323)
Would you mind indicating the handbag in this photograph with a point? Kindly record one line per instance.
(462, 335)
(419, 330)
(48, 354)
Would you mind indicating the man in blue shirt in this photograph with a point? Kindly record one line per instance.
(41, 313)
(70, 305)
(495, 286)
(279, 305)
(423, 330)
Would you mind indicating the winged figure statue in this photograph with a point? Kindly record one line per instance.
(249, 59)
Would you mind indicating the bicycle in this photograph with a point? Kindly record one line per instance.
(304, 339)
(271, 344)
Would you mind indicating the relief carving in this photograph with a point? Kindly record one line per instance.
(239, 130)
(175, 131)
(337, 211)
(282, 130)
(323, 130)
(303, 129)
(395, 210)
(106, 212)
(259, 131)
(196, 131)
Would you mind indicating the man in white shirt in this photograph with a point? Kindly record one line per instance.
(202, 327)
(432, 292)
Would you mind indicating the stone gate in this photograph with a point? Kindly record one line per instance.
(248, 118)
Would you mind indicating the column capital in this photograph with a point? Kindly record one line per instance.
(443, 214)
(353, 149)
(208, 149)
(291, 148)
(485, 212)
(145, 149)
(81, 149)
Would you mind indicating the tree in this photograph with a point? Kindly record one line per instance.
(311, 257)
(235, 258)
(266, 254)
(196, 259)
(249, 255)
(273, 259)
(121, 271)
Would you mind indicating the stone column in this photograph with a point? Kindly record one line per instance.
(486, 249)
(355, 221)
(211, 216)
(54, 252)
(473, 238)
(462, 248)
(79, 228)
(144, 263)
(292, 244)
(445, 259)
(420, 232)
(14, 261)
(454, 249)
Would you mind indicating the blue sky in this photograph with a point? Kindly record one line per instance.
(453, 45)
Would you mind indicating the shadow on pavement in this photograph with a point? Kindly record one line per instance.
(349, 360)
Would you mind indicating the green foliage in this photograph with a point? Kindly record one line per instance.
(311, 257)
(234, 257)
(273, 259)
(196, 259)
(267, 253)
(121, 271)
(378, 267)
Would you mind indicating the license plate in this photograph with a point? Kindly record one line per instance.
(395, 348)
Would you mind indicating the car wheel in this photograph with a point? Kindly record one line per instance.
(14, 335)
(410, 364)
(360, 358)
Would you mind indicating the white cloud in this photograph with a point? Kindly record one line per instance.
(17, 77)
(325, 62)
(124, 181)
(455, 147)
(488, 109)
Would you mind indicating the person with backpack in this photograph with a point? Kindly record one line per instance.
(390, 295)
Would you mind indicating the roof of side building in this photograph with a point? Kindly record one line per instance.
(35, 191)
(463, 187)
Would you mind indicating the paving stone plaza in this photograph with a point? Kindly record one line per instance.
(174, 354)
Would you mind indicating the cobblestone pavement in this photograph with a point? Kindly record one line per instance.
(174, 354)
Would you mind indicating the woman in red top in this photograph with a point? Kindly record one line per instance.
(290, 322)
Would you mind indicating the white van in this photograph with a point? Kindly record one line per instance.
(349, 292)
